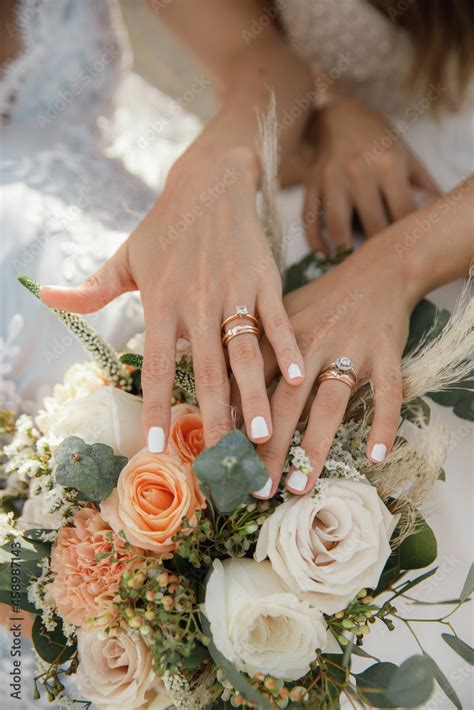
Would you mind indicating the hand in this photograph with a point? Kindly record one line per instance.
(192, 258)
(362, 164)
(360, 309)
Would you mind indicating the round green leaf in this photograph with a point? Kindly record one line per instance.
(372, 684)
(412, 684)
(420, 549)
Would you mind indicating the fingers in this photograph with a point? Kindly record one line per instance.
(247, 365)
(280, 335)
(159, 364)
(312, 213)
(212, 384)
(398, 193)
(286, 406)
(369, 204)
(420, 177)
(112, 279)
(327, 413)
(338, 213)
(388, 400)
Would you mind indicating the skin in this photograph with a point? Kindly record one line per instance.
(358, 167)
(191, 281)
(372, 292)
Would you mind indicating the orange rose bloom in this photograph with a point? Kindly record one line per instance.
(84, 587)
(187, 433)
(153, 495)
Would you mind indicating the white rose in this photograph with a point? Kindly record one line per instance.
(258, 625)
(116, 673)
(108, 415)
(328, 548)
(34, 515)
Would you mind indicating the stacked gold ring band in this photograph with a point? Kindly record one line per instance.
(343, 370)
(239, 330)
(250, 325)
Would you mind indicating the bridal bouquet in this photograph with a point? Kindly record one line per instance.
(158, 581)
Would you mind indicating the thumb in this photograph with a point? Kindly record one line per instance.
(110, 281)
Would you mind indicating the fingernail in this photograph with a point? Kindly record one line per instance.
(298, 481)
(265, 490)
(156, 439)
(378, 452)
(258, 428)
(294, 371)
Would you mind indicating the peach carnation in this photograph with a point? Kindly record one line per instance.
(153, 495)
(187, 433)
(84, 587)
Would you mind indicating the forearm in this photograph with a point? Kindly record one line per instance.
(247, 58)
(432, 246)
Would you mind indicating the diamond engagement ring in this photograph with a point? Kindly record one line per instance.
(241, 312)
(343, 370)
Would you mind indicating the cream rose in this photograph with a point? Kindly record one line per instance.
(258, 625)
(154, 493)
(108, 415)
(328, 548)
(116, 673)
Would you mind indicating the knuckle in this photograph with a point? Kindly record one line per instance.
(387, 161)
(279, 323)
(215, 430)
(330, 403)
(210, 374)
(356, 166)
(156, 364)
(245, 352)
(255, 401)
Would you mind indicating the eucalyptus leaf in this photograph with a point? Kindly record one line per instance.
(372, 684)
(358, 651)
(231, 673)
(409, 584)
(444, 683)
(91, 469)
(468, 587)
(51, 645)
(412, 684)
(460, 647)
(231, 470)
(420, 549)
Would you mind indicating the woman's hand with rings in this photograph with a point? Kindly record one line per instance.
(360, 310)
(198, 253)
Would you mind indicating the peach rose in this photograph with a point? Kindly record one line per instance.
(84, 587)
(116, 673)
(187, 433)
(154, 493)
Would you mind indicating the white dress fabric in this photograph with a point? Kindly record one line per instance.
(86, 146)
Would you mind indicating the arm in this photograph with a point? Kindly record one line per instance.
(247, 57)
(361, 309)
(200, 250)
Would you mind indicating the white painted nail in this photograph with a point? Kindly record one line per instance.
(156, 439)
(265, 490)
(298, 481)
(294, 371)
(258, 428)
(378, 452)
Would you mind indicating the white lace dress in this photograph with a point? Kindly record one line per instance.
(86, 145)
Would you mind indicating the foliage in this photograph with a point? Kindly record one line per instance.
(90, 469)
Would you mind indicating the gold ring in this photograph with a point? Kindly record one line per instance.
(241, 312)
(343, 370)
(238, 330)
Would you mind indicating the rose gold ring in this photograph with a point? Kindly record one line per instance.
(241, 312)
(345, 374)
(239, 330)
